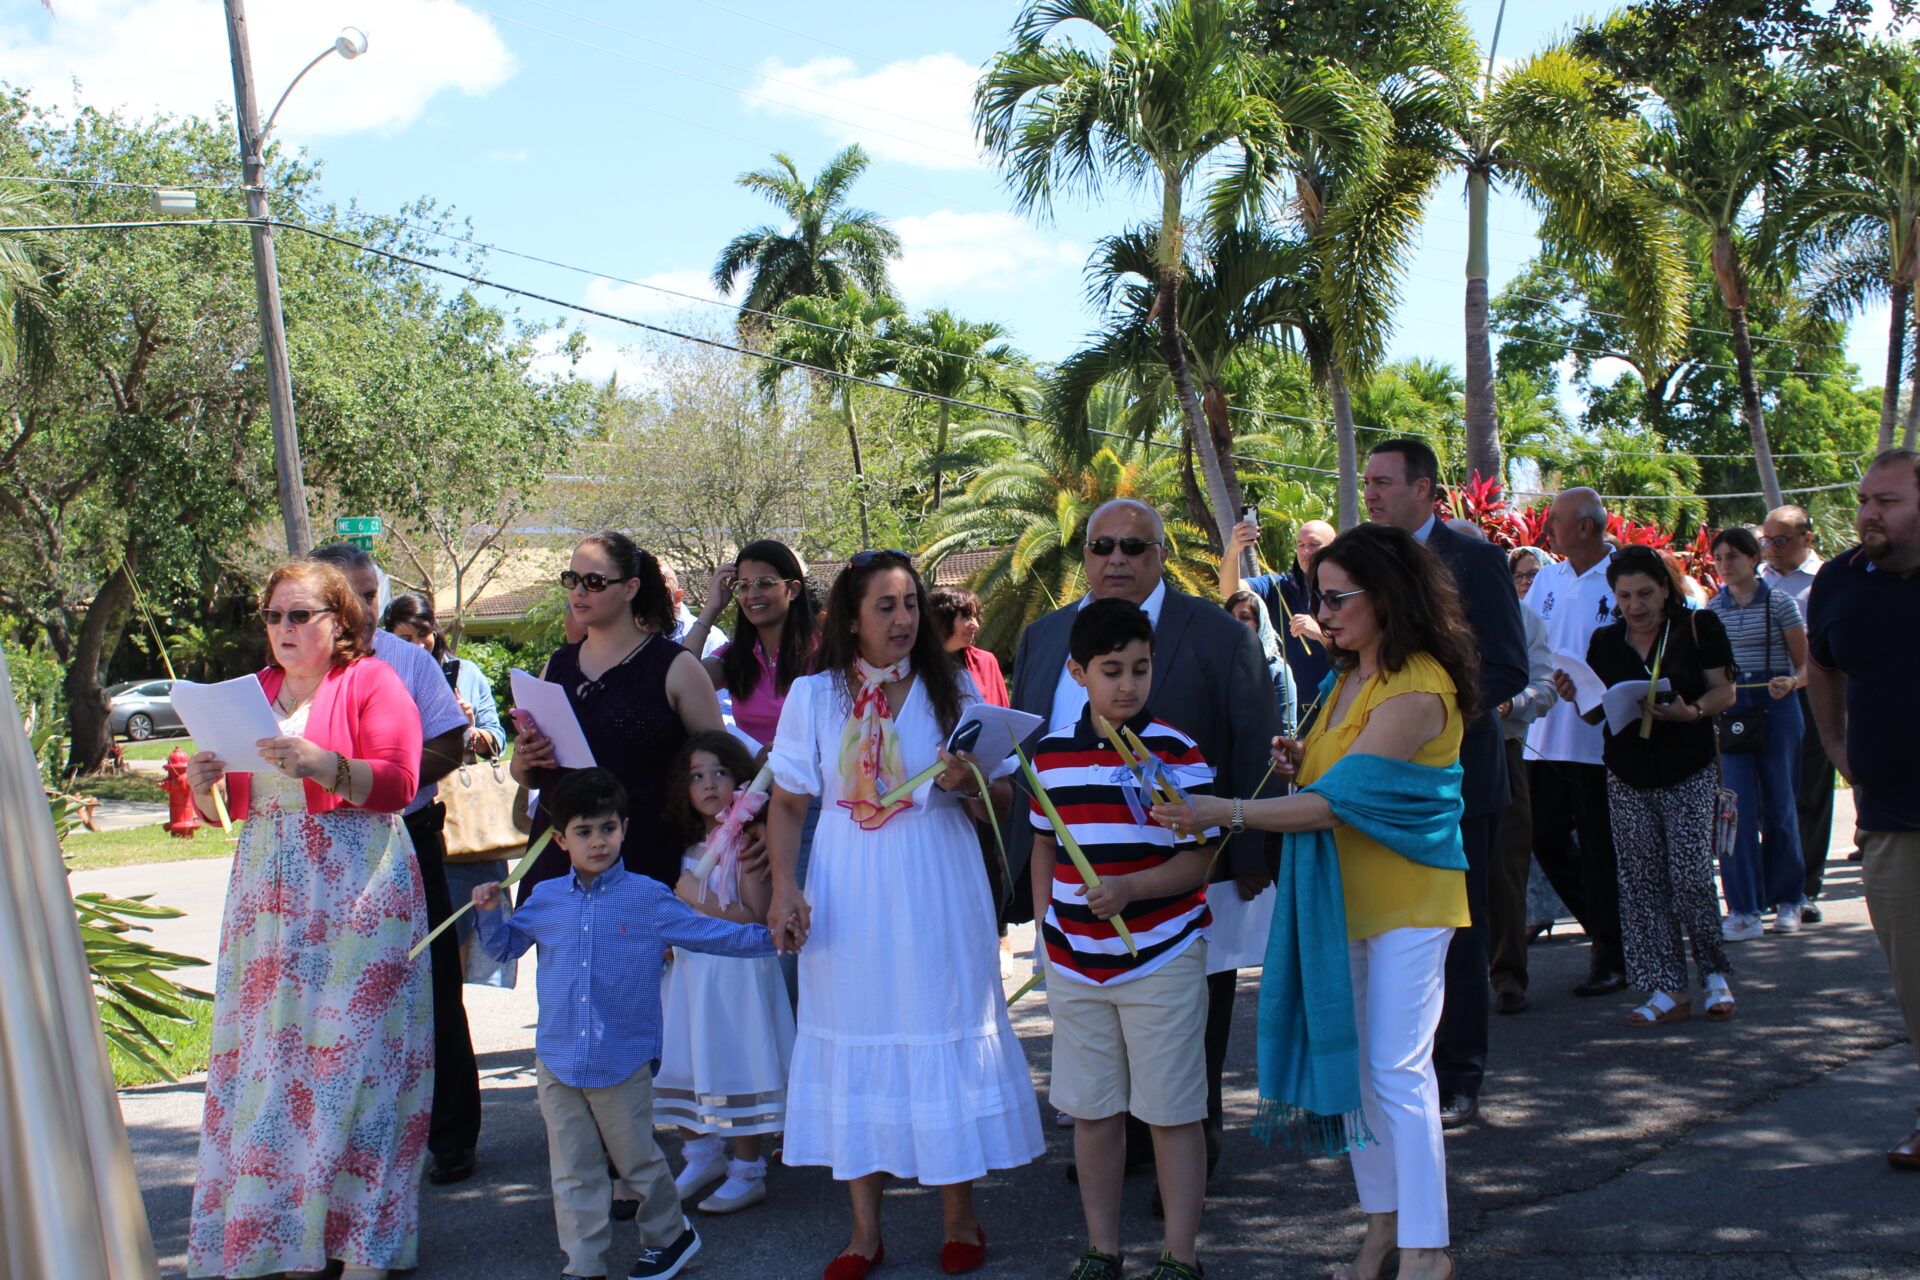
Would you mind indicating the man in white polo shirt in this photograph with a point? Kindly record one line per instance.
(1568, 781)
(1786, 541)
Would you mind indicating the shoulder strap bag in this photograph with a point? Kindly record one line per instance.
(1745, 732)
(1726, 801)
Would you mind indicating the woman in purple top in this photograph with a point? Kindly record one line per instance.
(637, 694)
(773, 634)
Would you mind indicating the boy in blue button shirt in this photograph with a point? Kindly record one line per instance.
(603, 934)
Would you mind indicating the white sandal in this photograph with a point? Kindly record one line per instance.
(1720, 1002)
(1660, 1007)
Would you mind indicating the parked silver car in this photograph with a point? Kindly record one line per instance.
(141, 709)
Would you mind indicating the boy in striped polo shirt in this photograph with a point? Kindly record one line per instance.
(1128, 1030)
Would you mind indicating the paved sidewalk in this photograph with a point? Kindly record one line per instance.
(125, 815)
(1743, 1149)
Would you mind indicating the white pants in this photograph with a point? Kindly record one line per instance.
(1398, 986)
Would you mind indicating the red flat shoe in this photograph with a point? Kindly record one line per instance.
(957, 1256)
(851, 1266)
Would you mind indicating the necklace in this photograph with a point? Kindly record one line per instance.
(285, 703)
(586, 688)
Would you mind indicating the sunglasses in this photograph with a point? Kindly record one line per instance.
(595, 582)
(864, 559)
(1128, 546)
(743, 585)
(298, 617)
(1337, 600)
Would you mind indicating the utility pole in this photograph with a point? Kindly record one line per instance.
(266, 282)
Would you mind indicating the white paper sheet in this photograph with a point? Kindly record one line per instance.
(1623, 703)
(547, 703)
(1588, 689)
(1001, 729)
(227, 719)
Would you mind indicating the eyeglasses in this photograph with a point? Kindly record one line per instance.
(1337, 600)
(1781, 540)
(865, 559)
(1128, 546)
(595, 582)
(298, 617)
(743, 585)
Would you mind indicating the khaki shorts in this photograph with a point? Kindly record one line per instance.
(1137, 1046)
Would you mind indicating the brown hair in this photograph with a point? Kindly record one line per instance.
(949, 605)
(331, 586)
(839, 646)
(733, 757)
(1413, 596)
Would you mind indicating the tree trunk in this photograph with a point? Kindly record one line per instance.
(87, 704)
(1212, 466)
(1196, 501)
(940, 449)
(1750, 404)
(1349, 464)
(1483, 426)
(1896, 361)
(859, 470)
(1214, 401)
(1912, 430)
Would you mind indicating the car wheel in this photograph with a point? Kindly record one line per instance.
(140, 726)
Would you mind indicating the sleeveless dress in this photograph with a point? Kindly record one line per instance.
(635, 734)
(904, 1061)
(1383, 889)
(727, 1036)
(315, 1127)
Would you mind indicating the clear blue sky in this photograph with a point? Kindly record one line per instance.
(607, 134)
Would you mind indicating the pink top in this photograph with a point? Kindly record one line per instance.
(758, 714)
(363, 711)
(987, 678)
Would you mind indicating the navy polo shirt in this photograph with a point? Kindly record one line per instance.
(1865, 622)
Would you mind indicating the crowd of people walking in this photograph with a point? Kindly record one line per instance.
(769, 912)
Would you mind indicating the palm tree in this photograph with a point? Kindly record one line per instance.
(1172, 89)
(1854, 210)
(828, 246)
(1707, 160)
(26, 264)
(1557, 130)
(838, 335)
(943, 355)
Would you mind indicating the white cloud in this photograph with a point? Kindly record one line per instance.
(171, 55)
(602, 357)
(945, 251)
(641, 303)
(917, 112)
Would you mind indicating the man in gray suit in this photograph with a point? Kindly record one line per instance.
(1209, 681)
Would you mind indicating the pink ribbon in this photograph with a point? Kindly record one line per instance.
(727, 839)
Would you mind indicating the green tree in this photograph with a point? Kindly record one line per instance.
(942, 355)
(827, 247)
(1168, 93)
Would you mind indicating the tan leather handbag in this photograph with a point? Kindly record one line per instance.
(480, 813)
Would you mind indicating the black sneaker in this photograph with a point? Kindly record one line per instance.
(1457, 1109)
(1810, 912)
(1168, 1269)
(1095, 1265)
(658, 1264)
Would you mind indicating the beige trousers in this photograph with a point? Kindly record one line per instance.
(586, 1127)
(1890, 869)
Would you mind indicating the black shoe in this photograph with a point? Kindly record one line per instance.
(626, 1210)
(658, 1264)
(1168, 1269)
(1510, 1002)
(447, 1170)
(1095, 1265)
(1810, 912)
(1457, 1109)
(1602, 983)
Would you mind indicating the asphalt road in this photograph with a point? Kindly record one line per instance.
(1710, 1150)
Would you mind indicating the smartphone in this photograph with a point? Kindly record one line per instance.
(1250, 515)
(450, 668)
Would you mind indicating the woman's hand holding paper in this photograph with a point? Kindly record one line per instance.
(533, 750)
(956, 777)
(204, 771)
(1679, 711)
(1564, 686)
(299, 758)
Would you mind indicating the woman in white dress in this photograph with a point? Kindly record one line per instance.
(904, 1062)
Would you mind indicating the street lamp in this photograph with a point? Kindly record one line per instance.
(351, 43)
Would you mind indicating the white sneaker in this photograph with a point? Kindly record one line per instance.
(1786, 920)
(706, 1162)
(746, 1185)
(1740, 927)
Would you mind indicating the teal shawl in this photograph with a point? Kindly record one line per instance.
(1309, 1051)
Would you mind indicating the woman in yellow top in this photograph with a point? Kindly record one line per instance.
(1404, 664)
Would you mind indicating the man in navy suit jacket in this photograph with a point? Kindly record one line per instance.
(1401, 478)
(1208, 674)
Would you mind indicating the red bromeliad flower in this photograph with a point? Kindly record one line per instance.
(1483, 501)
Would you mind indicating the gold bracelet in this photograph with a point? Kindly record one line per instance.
(342, 774)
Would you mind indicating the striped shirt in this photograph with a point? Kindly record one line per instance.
(1088, 784)
(1758, 629)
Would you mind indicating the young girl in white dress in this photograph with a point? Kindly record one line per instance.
(728, 1026)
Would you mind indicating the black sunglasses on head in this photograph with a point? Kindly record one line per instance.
(1128, 546)
(591, 581)
(864, 559)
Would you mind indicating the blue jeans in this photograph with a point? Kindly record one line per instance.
(1766, 869)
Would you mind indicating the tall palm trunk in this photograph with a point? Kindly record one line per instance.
(1896, 361)
(1211, 464)
(1214, 401)
(1483, 428)
(859, 470)
(1733, 291)
(1912, 428)
(1343, 434)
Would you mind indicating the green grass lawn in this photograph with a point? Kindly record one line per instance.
(121, 786)
(92, 850)
(155, 748)
(192, 1043)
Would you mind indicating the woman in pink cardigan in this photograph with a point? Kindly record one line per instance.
(322, 1074)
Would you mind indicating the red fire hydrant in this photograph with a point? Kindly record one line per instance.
(182, 818)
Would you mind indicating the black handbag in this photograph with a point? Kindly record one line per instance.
(1743, 733)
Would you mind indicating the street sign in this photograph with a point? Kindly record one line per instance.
(359, 530)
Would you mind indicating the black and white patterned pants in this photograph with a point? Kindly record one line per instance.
(1664, 838)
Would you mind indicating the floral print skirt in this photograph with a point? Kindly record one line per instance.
(315, 1129)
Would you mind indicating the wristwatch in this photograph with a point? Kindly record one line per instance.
(1239, 819)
